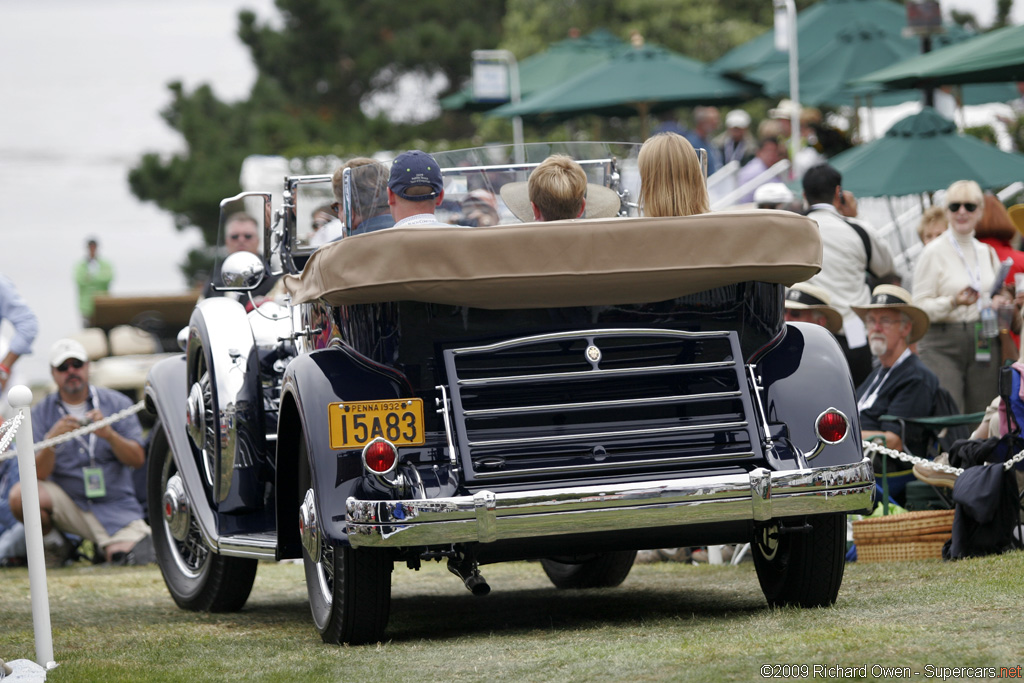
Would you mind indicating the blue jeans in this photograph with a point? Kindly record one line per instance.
(12, 542)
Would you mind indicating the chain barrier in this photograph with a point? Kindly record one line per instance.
(57, 440)
(914, 460)
(9, 429)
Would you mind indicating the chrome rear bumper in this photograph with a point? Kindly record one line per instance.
(486, 516)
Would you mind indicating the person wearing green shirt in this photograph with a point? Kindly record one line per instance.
(93, 276)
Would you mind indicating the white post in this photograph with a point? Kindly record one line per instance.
(794, 73)
(20, 397)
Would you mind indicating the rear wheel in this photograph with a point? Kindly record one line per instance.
(197, 578)
(349, 590)
(603, 570)
(798, 566)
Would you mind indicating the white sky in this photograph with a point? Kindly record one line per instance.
(984, 10)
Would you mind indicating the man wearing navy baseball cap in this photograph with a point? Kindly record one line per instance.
(415, 189)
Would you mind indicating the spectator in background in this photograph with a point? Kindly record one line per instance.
(769, 153)
(774, 196)
(370, 210)
(671, 180)
(479, 208)
(16, 312)
(706, 121)
(997, 231)
(85, 485)
(12, 531)
(326, 226)
(931, 225)
(806, 303)
(850, 251)
(953, 273)
(241, 233)
(736, 143)
(93, 276)
(900, 385)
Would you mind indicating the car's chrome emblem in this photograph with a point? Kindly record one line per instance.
(593, 354)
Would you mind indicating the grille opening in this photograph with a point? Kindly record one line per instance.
(653, 399)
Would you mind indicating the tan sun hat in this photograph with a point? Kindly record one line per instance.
(602, 202)
(898, 299)
(803, 296)
(1017, 216)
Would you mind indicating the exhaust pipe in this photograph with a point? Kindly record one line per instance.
(468, 571)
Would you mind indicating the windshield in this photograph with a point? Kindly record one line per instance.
(473, 182)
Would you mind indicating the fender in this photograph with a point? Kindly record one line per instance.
(220, 326)
(805, 373)
(165, 392)
(311, 382)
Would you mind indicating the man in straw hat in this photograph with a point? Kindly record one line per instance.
(901, 384)
(806, 303)
(556, 190)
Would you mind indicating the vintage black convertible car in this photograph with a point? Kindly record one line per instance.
(570, 392)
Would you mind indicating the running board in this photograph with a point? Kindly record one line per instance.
(260, 546)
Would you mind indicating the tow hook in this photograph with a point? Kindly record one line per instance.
(468, 570)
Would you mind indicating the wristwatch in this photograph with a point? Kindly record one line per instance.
(5, 373)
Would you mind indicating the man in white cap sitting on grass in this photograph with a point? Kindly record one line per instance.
(901, 384)
(85, 484)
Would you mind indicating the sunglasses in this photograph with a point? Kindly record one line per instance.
(955, 206)
(242, 236)
(71, 363)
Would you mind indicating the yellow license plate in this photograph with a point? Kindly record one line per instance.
(354, 424)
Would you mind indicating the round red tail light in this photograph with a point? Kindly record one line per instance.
(832, 426)
(379, 456)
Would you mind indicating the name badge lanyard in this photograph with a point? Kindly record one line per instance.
(974, 277)
(871, 395)
(92, 476)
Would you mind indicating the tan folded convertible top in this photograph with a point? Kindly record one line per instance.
(563, 263)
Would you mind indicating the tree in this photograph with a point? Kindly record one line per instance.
(313, 75)
(698, 29)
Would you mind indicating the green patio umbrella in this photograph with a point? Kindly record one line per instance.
(636, 81)
(992, 57)
(839, 41)
(561, 61)
(923, 153)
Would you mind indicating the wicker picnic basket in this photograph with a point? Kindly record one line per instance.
(906, 536)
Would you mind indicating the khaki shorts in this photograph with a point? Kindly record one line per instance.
(72, 519)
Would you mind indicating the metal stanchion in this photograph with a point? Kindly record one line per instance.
(20, 397)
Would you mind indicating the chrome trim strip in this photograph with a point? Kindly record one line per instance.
(755, 383)
(655, 401)
(593, 374)
(605, 435)
(444, 409)
(260, 546)
(759, 495)
(586, 334)
(598, 466)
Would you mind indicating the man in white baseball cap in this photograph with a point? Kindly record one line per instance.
(85, 484)
(736, 142)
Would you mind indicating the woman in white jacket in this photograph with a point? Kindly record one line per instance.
(951, 281)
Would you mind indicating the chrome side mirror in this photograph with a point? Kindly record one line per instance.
(242, 270)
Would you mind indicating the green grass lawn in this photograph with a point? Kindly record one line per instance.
(666, 622)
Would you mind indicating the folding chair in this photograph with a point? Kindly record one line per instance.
(944, 426)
